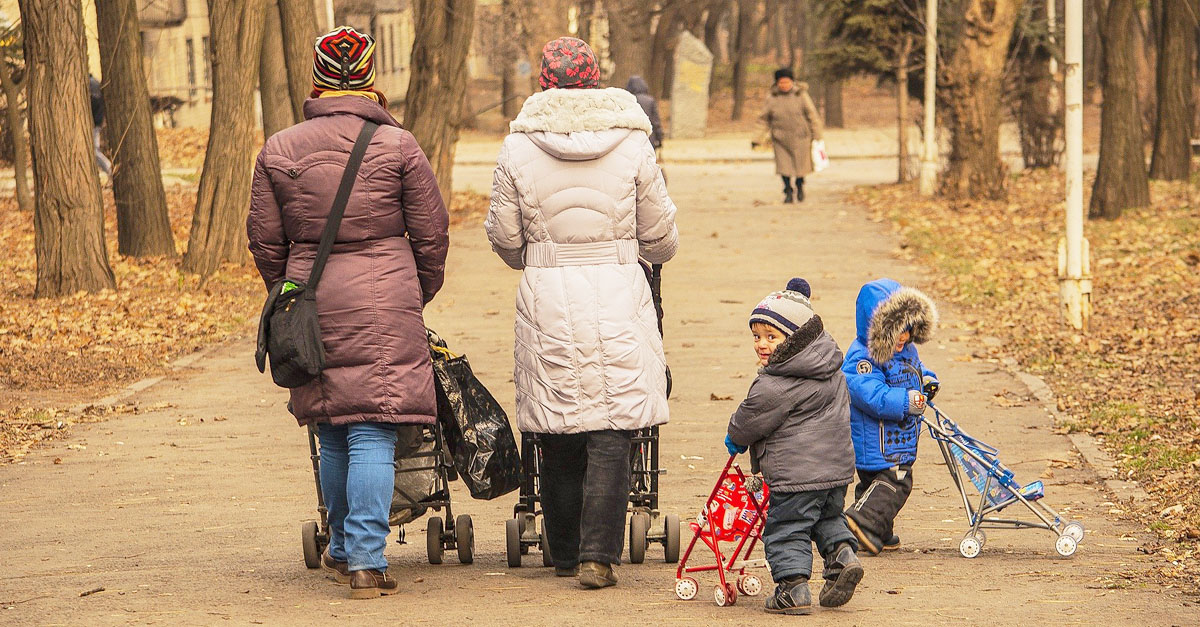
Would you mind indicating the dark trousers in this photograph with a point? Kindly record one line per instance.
(585, 491)
(787, 183)
(795, 520)
(878, 498)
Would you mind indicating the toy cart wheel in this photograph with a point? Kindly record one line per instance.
(749, 585)
(1075, 530)
(312, 549)
(639, 527)
(512, 542)
(686, 588)
(433, 539)
(464, 538)
(724, 595)
(981, 536)
(1066, 545)
(671, 539)
(969, 547)
(544, 545)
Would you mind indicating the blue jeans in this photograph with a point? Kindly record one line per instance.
(358, 475)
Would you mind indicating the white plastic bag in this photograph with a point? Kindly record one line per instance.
(820, 160)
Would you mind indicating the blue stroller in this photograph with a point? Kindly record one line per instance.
(974, 462)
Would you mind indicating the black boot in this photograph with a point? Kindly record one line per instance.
(800, 190)
(842, 575)
(787, 196)
(892, 543)
(792, 597)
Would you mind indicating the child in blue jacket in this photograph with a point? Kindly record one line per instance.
(889, 387)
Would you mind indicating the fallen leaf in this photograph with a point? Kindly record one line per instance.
(720, 397)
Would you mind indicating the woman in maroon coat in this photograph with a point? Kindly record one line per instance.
(387, 263)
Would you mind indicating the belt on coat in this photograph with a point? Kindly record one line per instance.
(551, 254)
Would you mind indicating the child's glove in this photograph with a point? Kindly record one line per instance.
(930, 387)
(916, 403)
(733, 448)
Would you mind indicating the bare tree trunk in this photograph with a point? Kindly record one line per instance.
(1172, 155)
(834, 116)
(1121, 181)
(273, 88)
(143, 225)
(629, 39)
(662, 49)
(902, 120)
(1037, 105)
(298, 23)
(975, 85)
(433, 107)
(219, 224)
(712, 28)
(68, 216)
(16, 126)
(587, 10)
(741, 56)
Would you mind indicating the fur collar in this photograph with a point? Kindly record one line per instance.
(798, 341)
(576, 110)
(798, 87)
(905, 309)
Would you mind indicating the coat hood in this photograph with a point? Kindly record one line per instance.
(577, 110)
(637, 85)
(809, 353)
(884, 310)
(579, 146)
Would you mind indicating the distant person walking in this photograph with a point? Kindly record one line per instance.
(97, 99)
(640, 90)
(388, 262)
(792, 121)
(576, 198)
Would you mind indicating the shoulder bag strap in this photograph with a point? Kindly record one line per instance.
(339, 206)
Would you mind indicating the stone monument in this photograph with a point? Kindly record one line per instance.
(689, 91)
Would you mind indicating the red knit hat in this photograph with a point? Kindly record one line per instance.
(344, 59)
(569, 63)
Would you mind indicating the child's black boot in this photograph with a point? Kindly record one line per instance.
(791, 597)
(842, 575)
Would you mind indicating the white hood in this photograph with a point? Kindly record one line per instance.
(580, 124)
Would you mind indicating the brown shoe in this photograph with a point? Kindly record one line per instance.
(368, 584)
(339, 571)
(596, 575)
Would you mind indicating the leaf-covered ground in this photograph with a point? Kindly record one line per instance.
(1132, 379)
(58, 353)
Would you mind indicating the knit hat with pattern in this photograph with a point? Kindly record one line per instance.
(569, 63)
(344, 59)
(786, 310)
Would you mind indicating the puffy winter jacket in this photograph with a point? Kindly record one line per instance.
(796, 417)
(885, 433)
(576, 198)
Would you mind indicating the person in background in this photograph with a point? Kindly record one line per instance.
(97, 99)
(792, 123)
(640, 90)
(388, 262)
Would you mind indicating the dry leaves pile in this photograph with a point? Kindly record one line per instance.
(1132, 380)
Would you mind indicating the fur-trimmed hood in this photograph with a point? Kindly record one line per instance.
(576, 110)
(809, 353)
(885, 309)
(798, 87)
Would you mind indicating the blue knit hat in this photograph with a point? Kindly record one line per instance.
(786, 310)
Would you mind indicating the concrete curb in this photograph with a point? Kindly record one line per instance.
(1097, 458)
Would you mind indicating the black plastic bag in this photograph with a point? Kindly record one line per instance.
(474, 425)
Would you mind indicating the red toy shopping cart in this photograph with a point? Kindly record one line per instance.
(734, 512)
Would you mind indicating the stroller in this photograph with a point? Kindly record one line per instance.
(734, 512)
(424, 470)
(521, 532)
(970, 460)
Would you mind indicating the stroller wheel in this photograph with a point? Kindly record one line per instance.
(686, 588)
(464, 537)
(1066, 545)
(970, 546)
(671, 538)
(725, 595)
(749, 585)
(639, 527)
(1075, 530)
(512, 544)
(312, 549)
(981, 536)
(433, 540)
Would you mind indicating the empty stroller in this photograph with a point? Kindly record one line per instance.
(521, 531)
(734, 512)
(996, 488)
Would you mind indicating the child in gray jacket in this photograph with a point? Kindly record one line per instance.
(796, 422)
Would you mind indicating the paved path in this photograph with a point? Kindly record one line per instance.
(190, 513)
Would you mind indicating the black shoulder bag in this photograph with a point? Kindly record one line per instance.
(288, 329)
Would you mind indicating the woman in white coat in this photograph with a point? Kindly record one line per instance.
(577, 197)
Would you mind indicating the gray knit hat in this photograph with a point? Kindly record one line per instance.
(786, 310)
